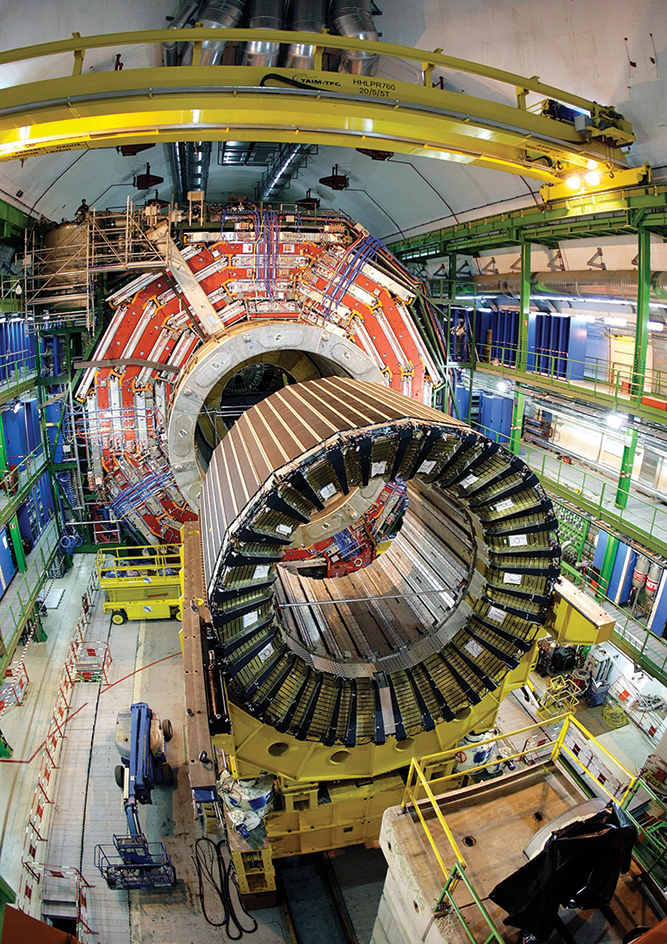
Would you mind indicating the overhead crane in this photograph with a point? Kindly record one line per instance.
(568, 142)
(329, 683)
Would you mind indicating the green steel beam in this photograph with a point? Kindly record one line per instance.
(524, 308)
(517, 422)
(19, 388)
(627, 465)
(13, 223)
(17, 544)
(605, 515)
(643, 312)
(607, 567)
(602, 214)
(570, 390)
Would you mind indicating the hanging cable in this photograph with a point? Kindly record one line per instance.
(213, 871)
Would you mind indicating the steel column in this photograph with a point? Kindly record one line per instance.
(517, 422)
(606, 568)
(524, 307)
(627, 464)
(643, 296)
(17, 544)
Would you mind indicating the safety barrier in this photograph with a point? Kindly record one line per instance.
(14, 686)
(36, 835)
(16, 678)
(565, 739)
(93, 663)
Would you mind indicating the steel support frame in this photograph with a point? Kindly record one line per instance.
(606, 568)
(517, 422)
(638, 383)
(627, 464)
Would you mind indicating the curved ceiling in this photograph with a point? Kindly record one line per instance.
(605, 50)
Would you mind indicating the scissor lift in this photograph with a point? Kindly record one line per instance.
(140, 582)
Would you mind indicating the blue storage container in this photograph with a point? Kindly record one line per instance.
(7, 567)
(495, 416)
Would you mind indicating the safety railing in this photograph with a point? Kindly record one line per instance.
(19, 600)
(643, 520)
(39, 817)
(618, 384)
(562, 739)
(629, 634)
(68, 58)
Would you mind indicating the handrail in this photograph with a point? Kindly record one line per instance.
(557, 747)
(79, 44)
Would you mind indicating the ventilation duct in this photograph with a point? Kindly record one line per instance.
(175, 151)
(170, 49)
(308, 16)
(264, 14)
(219, 14)
(197, 163)
(353, 18)
(620, 284)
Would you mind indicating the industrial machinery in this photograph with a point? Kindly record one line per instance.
(365, 578)
(141, 741)
(140, 583)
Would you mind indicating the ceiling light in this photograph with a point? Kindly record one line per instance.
(573, 182)
(593, 178)
(656, 326)
(503, 386)
(616, 420)
(616, 322)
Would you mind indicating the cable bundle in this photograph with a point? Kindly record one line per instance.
(355, 259)
(215, 873)
(137, 494)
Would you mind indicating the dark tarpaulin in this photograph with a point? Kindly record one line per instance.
(578, 868)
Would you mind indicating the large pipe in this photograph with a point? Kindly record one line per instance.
(353, 18)
(620, 284)
(308, 16)
(219, 14)
(287, 164)
(187, 9)
(264, 14)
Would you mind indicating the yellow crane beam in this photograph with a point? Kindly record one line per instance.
(218, 103)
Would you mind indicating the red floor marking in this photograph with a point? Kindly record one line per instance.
(10, 760)
(140, 669)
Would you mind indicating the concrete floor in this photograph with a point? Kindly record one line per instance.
(147, 666)
(88, 810)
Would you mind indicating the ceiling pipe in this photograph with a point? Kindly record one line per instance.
(353, 18)
(264, 14)
(287, 165)
(187, 10)
(216, 14)
(618, 284)
(219, 14)
(308, 16)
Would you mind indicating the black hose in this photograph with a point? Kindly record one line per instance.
(212, 869)
(286, 79)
